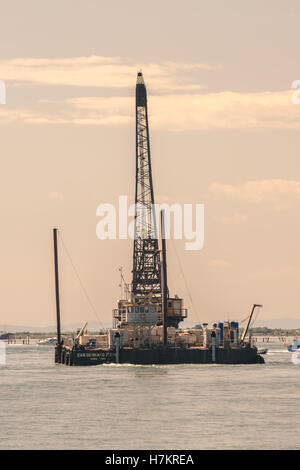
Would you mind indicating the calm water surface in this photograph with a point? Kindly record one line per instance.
(47, 406)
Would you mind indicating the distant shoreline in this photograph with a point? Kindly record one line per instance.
(262, 332)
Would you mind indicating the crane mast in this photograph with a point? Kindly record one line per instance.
(150, 302)
(146, 279)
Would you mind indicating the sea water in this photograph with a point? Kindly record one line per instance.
(49, 406)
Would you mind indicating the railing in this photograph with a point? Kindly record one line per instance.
(120, 314)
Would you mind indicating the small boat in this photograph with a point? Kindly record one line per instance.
(262, 351)
(47, 342)
(295, 346)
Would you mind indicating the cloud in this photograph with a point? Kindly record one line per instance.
(177, 99)
(181, 112)
(279, 193)
(104, 72)
(8, 115)
(225, 110)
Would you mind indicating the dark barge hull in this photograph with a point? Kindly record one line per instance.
(88, 357)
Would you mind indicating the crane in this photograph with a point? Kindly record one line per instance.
(146, 279)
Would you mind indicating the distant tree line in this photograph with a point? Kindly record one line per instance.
(265, 331)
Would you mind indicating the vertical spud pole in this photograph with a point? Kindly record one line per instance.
(58, 345)
(164, 280)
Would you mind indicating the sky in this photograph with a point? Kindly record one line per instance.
(224, 132)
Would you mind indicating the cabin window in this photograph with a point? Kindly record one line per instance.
(169, 304)
(141, 309)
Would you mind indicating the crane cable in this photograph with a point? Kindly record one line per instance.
(80, 281)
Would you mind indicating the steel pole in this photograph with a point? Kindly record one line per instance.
(55, 230)
(164, 280)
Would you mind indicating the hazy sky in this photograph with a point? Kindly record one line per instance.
(224, 132)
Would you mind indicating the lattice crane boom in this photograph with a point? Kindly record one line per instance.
(146, 279)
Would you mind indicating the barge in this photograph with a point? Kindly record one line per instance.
(146, 321)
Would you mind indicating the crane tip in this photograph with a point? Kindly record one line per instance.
(140, 79)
